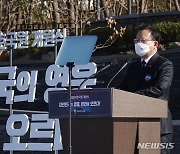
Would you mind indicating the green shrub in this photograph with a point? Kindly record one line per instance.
(170, 31)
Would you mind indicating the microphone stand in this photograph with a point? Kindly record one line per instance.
(94, 75)
(101, 70)
(70, 65)
(117, 73)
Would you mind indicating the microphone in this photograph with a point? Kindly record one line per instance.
(127, 62)
(113, 63)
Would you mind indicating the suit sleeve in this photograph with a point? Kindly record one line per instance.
(163, 81)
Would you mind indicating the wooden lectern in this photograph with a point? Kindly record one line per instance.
(134, 119)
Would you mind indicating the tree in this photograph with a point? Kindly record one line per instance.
(76, 14)
(71, 12)
(177, 5)
(56, 16)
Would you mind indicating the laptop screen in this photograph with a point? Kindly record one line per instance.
(77, 49)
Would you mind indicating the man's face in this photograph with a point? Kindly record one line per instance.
(145, 37)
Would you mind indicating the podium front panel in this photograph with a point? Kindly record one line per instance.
(86, 103)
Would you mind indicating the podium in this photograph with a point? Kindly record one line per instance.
(108, 121)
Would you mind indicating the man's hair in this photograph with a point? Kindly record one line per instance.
(154, 33)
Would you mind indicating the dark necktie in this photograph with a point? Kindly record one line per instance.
(143, 64)
(141, 74)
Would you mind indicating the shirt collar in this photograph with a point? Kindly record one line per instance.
(148, 58)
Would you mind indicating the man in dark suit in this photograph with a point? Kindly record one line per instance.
(151, 75)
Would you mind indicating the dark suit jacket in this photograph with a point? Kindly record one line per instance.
(154, 80)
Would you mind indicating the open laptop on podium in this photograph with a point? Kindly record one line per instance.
(75, 50)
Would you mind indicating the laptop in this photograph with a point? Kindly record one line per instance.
(77, 49)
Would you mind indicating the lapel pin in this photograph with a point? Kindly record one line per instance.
(148, 77)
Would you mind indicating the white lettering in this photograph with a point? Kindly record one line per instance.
(41, 38)
(155, 146)
(41, 127)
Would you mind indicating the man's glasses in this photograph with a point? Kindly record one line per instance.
(141, 40)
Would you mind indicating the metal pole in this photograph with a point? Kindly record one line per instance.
(70, 65)
(70, 123)
(11, 104)
(98, 9)
(55, 55)
(170, 5)
(76, 20)
(11, 63)
(129, 7)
